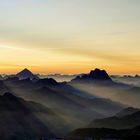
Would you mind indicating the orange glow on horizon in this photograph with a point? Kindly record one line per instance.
(60, 37)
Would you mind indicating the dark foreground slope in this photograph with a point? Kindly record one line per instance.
(125, 126)
(105, 133)
(118, 122)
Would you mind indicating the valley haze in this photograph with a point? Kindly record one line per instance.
(53, 109)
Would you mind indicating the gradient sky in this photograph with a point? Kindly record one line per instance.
(70, 36)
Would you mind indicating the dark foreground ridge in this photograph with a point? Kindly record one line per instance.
(19, 119)
(104, 134)
(127, 121)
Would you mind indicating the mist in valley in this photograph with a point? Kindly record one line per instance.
(72, 104)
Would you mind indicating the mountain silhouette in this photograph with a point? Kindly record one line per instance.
(118, 122)
(47, 81)
(21, 119)
(127, 111)
(105, 133)
(18, 118)
(25, 74)
(66, 99)
(94, 75)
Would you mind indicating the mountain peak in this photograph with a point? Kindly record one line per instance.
(25, 74)
(26, 70)
(97, 74)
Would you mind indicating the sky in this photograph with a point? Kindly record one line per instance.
(70, 36)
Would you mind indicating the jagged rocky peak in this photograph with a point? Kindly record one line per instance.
(97, 74)
(25, 74)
